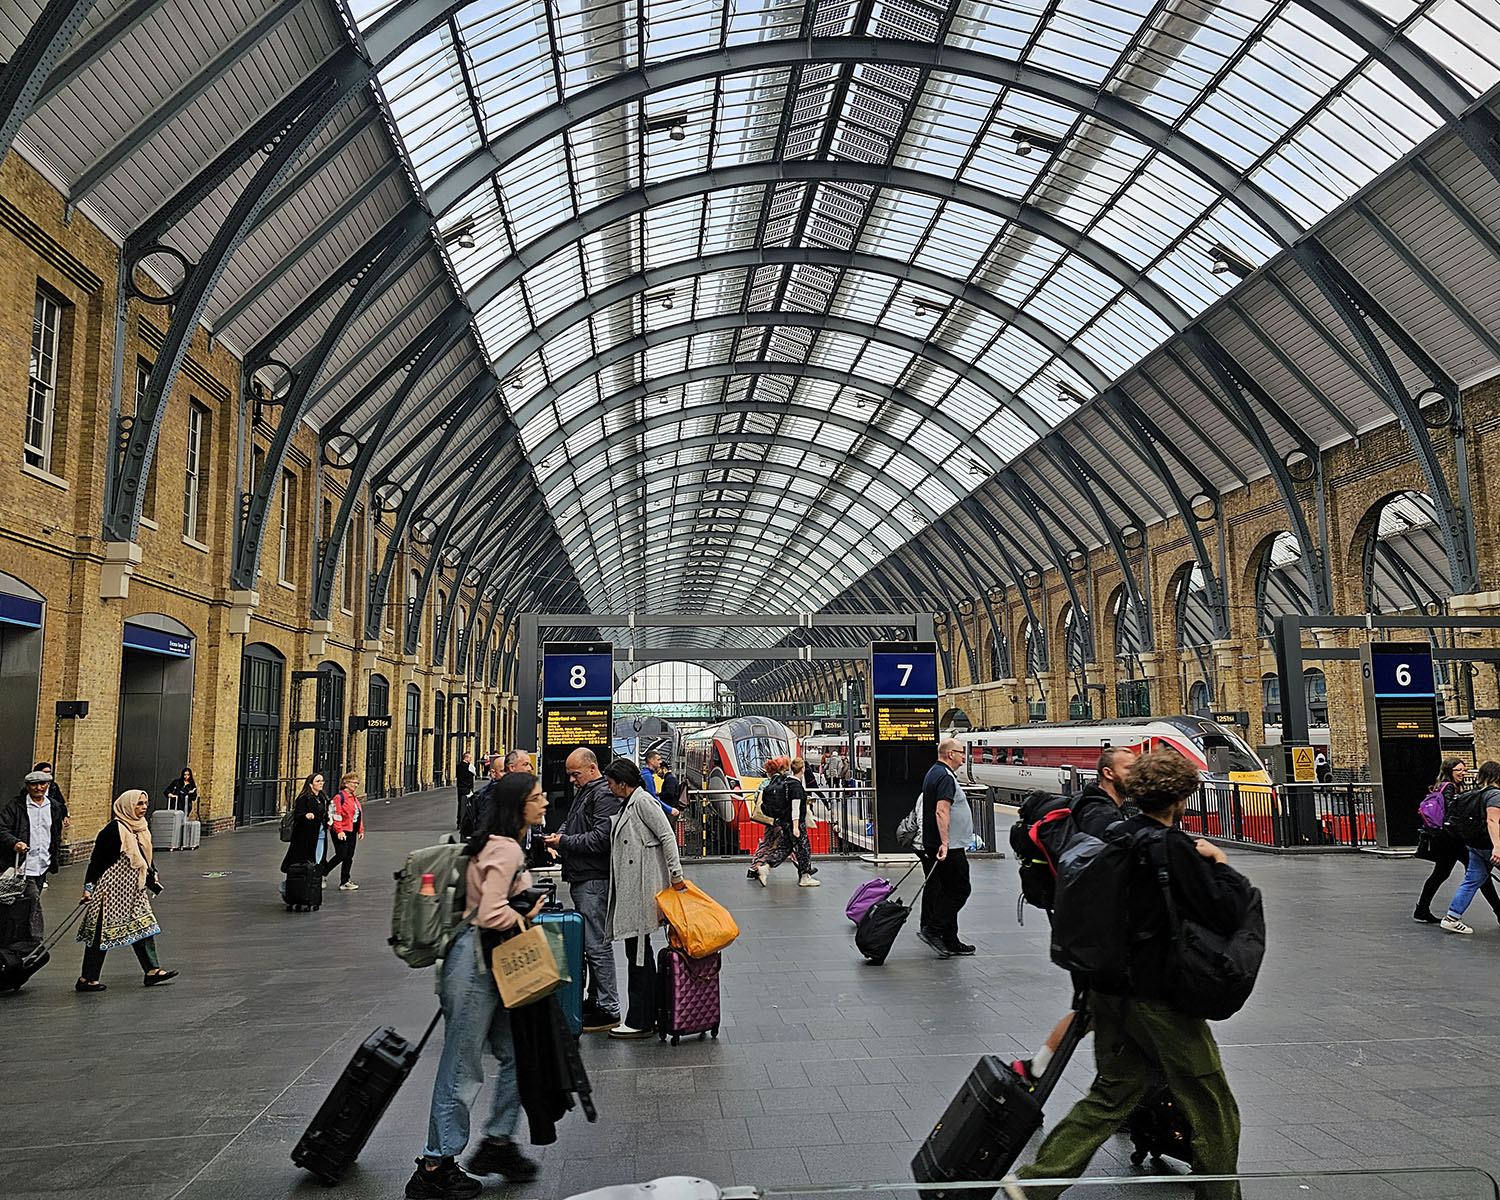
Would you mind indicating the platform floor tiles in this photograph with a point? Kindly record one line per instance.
(1371, 1040)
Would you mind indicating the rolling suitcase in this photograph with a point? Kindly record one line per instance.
(166, 829)
(22, 956)
(364, 1091)
(192, 835)
(304, 887)
(687, 994)
(570, 995)
(1159, 1127)
(987, 1125)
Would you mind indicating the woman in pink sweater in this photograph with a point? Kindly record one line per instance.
(473, 1018)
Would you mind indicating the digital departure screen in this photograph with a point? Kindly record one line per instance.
(905, 721)
(574, 725)
(1407, 720)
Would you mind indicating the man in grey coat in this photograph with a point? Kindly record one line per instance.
(583, 844)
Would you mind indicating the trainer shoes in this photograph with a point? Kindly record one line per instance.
(599, 1020)
(1453, 925)
(1424, 916)
(501, 1156)
(446, 1181)
(762, 872)
(956, 947)
(933, 941)
(808, 881)
(629, 1032)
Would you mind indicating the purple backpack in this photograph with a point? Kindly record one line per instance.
(866, 896)
(1434, 808)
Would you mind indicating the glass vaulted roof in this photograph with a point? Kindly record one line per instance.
(772, 285)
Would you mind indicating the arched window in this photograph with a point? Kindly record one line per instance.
(1198, 697)
(1000, 657)
(1270, 697)
(1316, 685)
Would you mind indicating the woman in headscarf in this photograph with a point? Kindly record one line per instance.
(117, 891)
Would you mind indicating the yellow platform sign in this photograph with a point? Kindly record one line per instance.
(1304, 768)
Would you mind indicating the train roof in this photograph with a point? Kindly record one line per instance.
(1178, 720)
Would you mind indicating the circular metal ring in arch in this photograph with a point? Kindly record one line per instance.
(1301, 467)
(341, 450)
(139, 262)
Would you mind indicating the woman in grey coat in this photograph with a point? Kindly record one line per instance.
(643, 861)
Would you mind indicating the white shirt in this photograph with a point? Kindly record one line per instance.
(39, 846)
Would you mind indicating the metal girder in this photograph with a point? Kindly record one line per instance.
(1027, 499)
(1131, 414)
(981, 590)
(460, 573)
(443, 336)
(297, 254)
(314, 166)
(1072, 464)
(1357, 308)
(631, 85)
(981, 516)
(938, 573)
(439, 543)
(1481, 133)
(334, 423)
(760, 174)
(23, 78)
(1231, 382)
(379, 585)
(823, 322)
(437, 283)
(130, 457)
(403, 446)
(94, 47)
(186, 93)
(385, 251)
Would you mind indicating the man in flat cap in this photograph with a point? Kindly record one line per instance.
(32, 825)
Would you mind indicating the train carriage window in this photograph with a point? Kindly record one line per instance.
(1001, 755)
(1018, 756)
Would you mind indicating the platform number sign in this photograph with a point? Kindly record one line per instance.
(904, 675)
(577, 673)
(1402, 733)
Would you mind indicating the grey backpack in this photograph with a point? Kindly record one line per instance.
(424, 927)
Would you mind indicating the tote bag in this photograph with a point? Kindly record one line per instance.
(528, 968)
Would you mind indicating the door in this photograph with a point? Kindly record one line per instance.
(328, 740)
(375, 739)
(413, 738)
(439, 737)
(258, 754)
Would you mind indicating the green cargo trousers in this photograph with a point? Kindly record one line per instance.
(1136, 1044)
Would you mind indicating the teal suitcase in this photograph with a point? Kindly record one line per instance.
(571, 996)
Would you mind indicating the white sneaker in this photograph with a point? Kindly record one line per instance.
(762, 873)
(623, 1030)
(808, 881)
(348, 887)
(1453, 925)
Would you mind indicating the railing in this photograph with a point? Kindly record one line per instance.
(1446, 1181)
(1287, 815)
(715, 823)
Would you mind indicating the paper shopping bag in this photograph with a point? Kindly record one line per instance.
(526, 969)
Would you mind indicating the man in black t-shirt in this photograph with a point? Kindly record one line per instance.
(945, 861)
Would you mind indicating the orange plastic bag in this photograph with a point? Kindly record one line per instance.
(700, 925)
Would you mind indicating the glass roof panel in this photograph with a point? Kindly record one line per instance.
(1268, 87)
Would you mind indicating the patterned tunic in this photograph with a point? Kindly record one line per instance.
(120, 912)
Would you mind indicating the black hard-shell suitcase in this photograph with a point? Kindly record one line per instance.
(987, 1125)
(1160, 1128)
(304, 886)
(359, 1099)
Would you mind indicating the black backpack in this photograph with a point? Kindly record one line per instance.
(1043, 827)
(776, 798)
(1091, 935)
(1466, 818)
(671, 789)
(1210, 975)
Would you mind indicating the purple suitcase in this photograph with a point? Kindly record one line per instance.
(866, 896)
(687, 994)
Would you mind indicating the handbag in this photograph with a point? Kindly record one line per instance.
(1426, 845)
(13, 881)
(527, 968)
(755, 812)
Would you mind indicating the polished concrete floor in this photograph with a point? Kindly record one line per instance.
(1368, 1044)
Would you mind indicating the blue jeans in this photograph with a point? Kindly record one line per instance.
(1478, 872)
(473, 1019)
(591, 899)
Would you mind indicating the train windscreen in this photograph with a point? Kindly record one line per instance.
(752, 753)
(1225, 754)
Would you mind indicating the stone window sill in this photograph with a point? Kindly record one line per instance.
(149, 523)
(196, 545)
(45, 476)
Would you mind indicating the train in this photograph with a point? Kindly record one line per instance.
(1048, 756)
(1455, 737)
(731, 758)
(814, 746)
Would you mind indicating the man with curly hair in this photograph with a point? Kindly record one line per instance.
(1140, 1039)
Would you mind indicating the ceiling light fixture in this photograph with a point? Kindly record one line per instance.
(674, 125)
(461, 236)
(1028, 140)
(1224, 261)
(666, 299)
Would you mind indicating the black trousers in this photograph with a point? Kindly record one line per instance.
(945, 893)
(463, 799)
(1452, 853)
(343, 854)
(640, 986)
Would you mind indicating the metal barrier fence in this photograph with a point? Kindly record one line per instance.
(715, 823)
(1288, 815)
